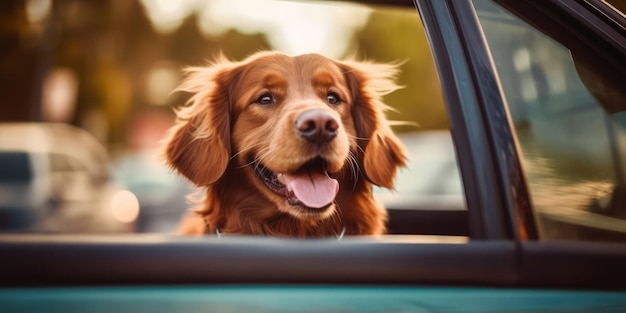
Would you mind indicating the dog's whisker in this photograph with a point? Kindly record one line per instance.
(263, 155)
(336, 216)
(266, 154)
(359, 138)
(340, 235)
(360, 149)
(252, 147)
(354, 169)
(253, 162)
(256, 161)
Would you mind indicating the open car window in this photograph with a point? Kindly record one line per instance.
(91, 99)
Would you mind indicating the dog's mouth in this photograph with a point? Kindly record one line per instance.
(310, 186)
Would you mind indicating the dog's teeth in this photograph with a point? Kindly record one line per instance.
(280, 178)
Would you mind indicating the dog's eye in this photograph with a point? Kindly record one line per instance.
(265, 99)
(333, 98)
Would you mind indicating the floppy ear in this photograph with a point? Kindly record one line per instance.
(198, 146)
(383, 152)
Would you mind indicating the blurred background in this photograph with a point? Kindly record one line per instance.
(87, 96)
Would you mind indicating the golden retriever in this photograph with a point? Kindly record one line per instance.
(286, 146)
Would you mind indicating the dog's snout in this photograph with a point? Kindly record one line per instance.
(317, 126)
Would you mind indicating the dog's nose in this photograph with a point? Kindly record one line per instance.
(317, 126)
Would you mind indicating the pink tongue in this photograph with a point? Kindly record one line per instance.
(315, 190)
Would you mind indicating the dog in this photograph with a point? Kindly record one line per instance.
(286, 145)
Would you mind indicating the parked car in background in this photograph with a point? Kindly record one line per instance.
(535, 99)
(163, 196)
(57, 178)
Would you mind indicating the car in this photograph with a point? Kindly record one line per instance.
(55, 177)
(534, 96)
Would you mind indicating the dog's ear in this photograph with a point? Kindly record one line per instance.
(382, 152)
(198, 146)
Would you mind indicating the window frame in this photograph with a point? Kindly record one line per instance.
(497, 196)
(475, 99)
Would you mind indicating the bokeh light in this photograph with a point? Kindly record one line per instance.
(125, 206)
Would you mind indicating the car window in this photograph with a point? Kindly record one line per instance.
(569, 121)
(91, 87)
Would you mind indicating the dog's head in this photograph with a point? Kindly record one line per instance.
(294, 124)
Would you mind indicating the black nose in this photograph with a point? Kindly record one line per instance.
(317, 126)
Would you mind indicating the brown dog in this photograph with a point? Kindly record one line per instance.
(286, 145)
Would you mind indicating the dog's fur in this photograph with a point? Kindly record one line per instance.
(243, 124)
